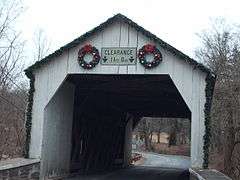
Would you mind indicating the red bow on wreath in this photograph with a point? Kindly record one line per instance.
(148, 48)
(87, 48)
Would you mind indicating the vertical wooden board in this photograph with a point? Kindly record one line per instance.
(35, 142)
(57, 131)
(178, 75)
(111, 38)
(40, 97)
(72, 61)
(44, 85)
(51, 148)
(57, 72)
(111, 35)
(187, 84)
(182, 75)
(51, 122)
(195, 122)
(48, 134)
(168, 62)
(132, 42)
(51, 77)
(123, 42)
(122, 69)
(50, 81)
(44, 158)
(59, 120)
(178, 79)
(68, 119)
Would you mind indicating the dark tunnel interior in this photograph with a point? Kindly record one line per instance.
(103, 104)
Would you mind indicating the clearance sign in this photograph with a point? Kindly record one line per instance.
(119, 56)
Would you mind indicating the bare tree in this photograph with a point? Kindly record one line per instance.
(11, 45)
(41, 45)
(12, 94)
(221, 52)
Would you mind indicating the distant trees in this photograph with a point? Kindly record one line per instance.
(13, 87)
(178, 130)
(221, 52)
(12, 92)
(11, 45)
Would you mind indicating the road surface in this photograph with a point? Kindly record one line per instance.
(139, 173)
(162, 160)
(154, 167)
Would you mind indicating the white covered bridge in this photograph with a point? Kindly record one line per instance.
(86, 98)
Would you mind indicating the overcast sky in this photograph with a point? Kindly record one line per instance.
(174, 21)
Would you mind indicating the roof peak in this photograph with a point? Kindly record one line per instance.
(105, 24)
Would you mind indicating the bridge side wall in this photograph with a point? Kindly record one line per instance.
(57, 132)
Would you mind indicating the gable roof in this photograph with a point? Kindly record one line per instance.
(118, 18)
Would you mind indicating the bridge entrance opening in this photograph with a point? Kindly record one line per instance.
(106, 110)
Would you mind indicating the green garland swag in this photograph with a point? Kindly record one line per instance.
(210, 82)
(28, 124)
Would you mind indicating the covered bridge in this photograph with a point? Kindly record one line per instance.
(86, 98)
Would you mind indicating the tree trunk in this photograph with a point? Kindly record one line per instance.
(229, 143)
(158, 141)
(151, 135)
(147, 142)
(228, 149)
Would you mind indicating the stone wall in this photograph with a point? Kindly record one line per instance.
(20, 169)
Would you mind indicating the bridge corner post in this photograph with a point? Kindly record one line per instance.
(128, 142)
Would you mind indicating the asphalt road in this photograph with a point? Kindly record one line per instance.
(151, 169)
(162, 160)
(139, 173)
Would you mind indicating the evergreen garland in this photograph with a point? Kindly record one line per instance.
(210, 82)
(28, 124)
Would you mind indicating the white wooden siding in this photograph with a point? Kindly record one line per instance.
(189, 82)
(58, 115)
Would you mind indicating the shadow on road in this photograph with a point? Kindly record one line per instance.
(140, 173)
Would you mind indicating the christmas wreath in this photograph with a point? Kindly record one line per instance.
(88, 49)
(149, 49)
